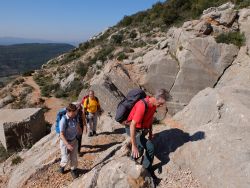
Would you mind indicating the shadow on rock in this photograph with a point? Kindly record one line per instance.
(116, 131)
(98, 148)
(82, 171)
(169, 140)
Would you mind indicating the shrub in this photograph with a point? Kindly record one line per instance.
(60, 93)
(49, 89)
(42, 80)
(86, 86)
(126, 21)
(139, 44)
(242, 3)
(235, 38)
(133, 34)
(81, 69)
(117, 38)
(84, 46)
(102, 55)
(45, 108)
(16, 160)
(74, 89)
(28, 73)
(121, 56)
(18, 81)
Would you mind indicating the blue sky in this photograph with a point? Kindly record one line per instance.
(64, 20)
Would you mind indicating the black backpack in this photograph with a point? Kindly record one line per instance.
(125, 106)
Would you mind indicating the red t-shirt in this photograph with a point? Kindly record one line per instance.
(137, 114)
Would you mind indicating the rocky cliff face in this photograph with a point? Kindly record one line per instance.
(204, 145)
(222, 113)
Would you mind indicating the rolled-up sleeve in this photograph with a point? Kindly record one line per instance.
(62, 125)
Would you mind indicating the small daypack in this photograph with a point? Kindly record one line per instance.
(84, 98)
(126, 105)
(62, 112)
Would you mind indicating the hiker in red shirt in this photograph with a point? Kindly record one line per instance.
(139, 126)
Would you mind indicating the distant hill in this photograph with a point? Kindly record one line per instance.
(19, 40)
(19, 58)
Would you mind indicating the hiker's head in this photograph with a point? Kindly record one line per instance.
(71, 110)
(91, 94)
(161, 96)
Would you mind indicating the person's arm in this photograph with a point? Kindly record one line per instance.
(135, 152)
(84, 122)
(137, 117)
(62, 125)
(79, 129)
(79, 121)
(99, 110)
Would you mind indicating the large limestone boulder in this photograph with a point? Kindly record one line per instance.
(201, 63)
(161, 71)
(21, 128)
(114, 169)
(111, 86)
(222, 15)
(223, 114)
(43, 153)
(66, 81)
(125, 174)
(244, 22)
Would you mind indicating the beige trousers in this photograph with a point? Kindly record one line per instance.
(67, 155)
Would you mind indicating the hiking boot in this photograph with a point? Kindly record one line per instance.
(74, 174)
(94, 133)
(61, 170)
(155, 178)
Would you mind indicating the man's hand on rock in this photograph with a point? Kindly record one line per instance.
(135, 152)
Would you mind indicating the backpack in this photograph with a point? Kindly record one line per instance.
(126, 105)
(60, 114)
(84, 98)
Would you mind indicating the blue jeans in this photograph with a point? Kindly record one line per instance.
(143, 143)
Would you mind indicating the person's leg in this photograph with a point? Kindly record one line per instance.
(73, 159)
(79, 141)
(73, 155)
(149, 154)
(64, 156)
(95, 123)
(90, 125)
(149, 157)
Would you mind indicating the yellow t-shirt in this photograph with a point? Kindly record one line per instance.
(92, 105)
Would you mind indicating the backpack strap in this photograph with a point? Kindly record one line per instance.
(96, 98)
(66, 121)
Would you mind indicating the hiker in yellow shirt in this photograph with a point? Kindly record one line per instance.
(91, 109)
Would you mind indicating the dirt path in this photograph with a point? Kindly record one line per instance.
(49, 177)
(52, 103)
(36, 93)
